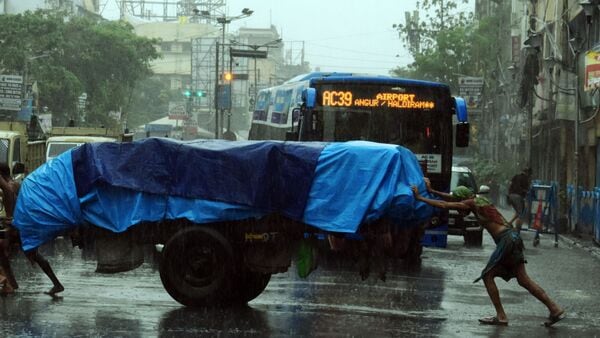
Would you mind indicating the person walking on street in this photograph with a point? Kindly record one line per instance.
(517, 193)
(10, 190)
(507, 261)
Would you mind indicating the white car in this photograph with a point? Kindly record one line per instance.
(467, 226)
(57, 145)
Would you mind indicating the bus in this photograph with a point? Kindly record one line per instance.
(422, 116)
(337, 107)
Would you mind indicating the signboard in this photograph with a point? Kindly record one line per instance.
(470, 88)
(115, 115)
(11, 90)
(224, 97)
(177, 111)
(592, 71)
(348, 98)
(158, 128)
(433, 161)
(247, 53)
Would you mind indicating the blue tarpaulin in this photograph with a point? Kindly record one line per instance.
(331, 186)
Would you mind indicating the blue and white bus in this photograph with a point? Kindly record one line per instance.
(345, 106)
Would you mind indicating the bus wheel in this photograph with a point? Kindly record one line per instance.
(248, 285)
(474, 236)
(197, 266)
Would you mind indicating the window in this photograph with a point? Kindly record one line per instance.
(4, 144)
(17, 151)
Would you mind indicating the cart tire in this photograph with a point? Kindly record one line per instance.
(248, 285)
(196, 267)
(474, 237)
(413, 256)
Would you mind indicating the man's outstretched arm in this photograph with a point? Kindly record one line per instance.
(443, 195)
(439, 204)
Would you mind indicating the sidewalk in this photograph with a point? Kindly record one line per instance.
(585, 242)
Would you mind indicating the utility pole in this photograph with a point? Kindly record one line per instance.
(223, 21)
(217, 92)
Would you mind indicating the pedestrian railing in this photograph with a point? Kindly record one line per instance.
(587, 217)
(543, 206)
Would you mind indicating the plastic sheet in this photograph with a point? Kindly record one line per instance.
(334, 187)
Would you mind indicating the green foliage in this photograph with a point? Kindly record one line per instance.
(150, 101)
(68, 56)
(447, 43)
(488, 171)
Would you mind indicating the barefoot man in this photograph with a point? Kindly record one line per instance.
(507, 261)
(10, 190)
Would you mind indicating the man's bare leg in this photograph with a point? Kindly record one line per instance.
(5, 264)
(34, 256)
(492, 290)
(526, 282)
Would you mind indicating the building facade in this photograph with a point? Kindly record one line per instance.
(550, 119)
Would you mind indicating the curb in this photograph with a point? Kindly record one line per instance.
(592, 250)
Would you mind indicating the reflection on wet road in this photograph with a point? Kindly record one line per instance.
(438, 299)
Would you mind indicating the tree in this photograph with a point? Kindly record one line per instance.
(448, 44)
(440, 43)
(103, 59)
(150, 101)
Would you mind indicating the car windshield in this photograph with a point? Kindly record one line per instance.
(55, 149)
(464, 178)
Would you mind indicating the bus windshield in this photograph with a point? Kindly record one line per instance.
(411, 117)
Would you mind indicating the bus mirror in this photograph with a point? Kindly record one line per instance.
(309, 96)
(291, 136)
(461, 110)
(462, 135)
(18, 168)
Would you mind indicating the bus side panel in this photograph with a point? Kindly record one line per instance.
(273, 117)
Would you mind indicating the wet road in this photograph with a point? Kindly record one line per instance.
(439, 299)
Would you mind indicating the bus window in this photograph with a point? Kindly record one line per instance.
(346, 125)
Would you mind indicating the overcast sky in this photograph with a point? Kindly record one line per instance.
(338, 35)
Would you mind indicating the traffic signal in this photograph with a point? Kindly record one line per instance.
(228, 76)
(188, 93)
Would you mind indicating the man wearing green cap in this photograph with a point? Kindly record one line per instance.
(507, 260)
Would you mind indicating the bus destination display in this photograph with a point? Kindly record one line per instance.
(347, 98)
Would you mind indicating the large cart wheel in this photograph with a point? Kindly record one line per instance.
(413, 256)
(197, 267)
(248, 285)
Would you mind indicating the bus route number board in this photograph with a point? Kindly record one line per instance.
(434, 162)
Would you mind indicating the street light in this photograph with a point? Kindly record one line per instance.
(223, 20)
